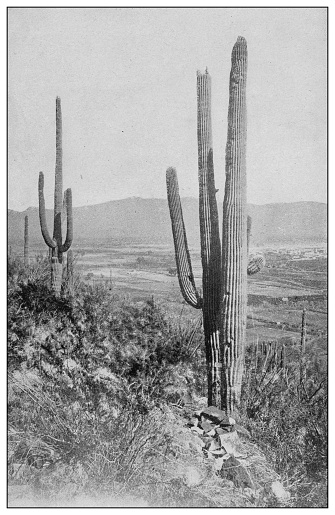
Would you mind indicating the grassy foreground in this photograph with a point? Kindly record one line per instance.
(100, 391)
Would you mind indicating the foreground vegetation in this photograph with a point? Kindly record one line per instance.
(100, 391)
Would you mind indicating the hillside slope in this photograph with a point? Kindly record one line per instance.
(148, 221)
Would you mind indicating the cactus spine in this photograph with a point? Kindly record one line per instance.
(26, 242)
(224, 272)
(57, 248)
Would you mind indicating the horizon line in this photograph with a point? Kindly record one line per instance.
(164, 198)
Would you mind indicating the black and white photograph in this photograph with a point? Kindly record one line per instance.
(167, 257)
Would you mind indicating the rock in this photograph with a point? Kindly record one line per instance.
(214, 446)
(218, 463)
(212, 433)
(235, 472)
(222, 430)
(194, 421)
(197, 430)
(229, 442)
(192, 476)
(279, 492)
(242, 430)
(206, 426)
(218, 452)
(215, 415)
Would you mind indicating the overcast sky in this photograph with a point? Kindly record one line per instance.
(127, 81)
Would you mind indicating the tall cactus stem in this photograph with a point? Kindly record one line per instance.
(234, 234)
(209, 239)
(69, 270)
(26, 242)
(56, 274)
(58, 198)
(303, 346)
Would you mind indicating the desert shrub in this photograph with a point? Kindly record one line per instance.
(91, 383)
(287, 416)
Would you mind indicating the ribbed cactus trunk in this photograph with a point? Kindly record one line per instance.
(57, 268)
(303, 346)
(55, 243)
(69, 270)
(26, 241)
(209, 240)
(234, 234)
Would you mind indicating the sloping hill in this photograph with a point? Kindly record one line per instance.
(148, 221)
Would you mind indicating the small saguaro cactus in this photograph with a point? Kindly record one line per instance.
(224, 272)
(57, 247)
(26, 241)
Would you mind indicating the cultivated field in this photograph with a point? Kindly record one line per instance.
(293, 278)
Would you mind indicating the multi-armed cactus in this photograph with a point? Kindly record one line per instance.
(55, 243)
(224, 272)
(209, 239)
(26, 242)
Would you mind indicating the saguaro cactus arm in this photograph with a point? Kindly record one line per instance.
(43, 221)
(69, 218)
(255, 263)
(183, 260)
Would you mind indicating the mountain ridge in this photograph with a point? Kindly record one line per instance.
(147, 220)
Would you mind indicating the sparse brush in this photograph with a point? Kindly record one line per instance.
(288, 419)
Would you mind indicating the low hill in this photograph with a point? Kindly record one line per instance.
(148, 221)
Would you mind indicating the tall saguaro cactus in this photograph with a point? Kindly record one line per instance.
(224, 272)
(209, 239)
(26, 241)
(56, 243)
(234, 231)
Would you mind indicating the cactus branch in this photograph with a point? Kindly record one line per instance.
(183, 260)
(69, 218)
(42, 213)
(255, 265)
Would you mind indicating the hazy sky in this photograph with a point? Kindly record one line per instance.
(127, 81)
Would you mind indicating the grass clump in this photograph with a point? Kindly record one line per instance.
(99, 393)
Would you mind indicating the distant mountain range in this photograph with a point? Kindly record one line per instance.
(148, 221)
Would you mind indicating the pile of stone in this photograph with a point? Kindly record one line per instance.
(218, 436)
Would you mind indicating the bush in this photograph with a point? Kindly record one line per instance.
(287, 417)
